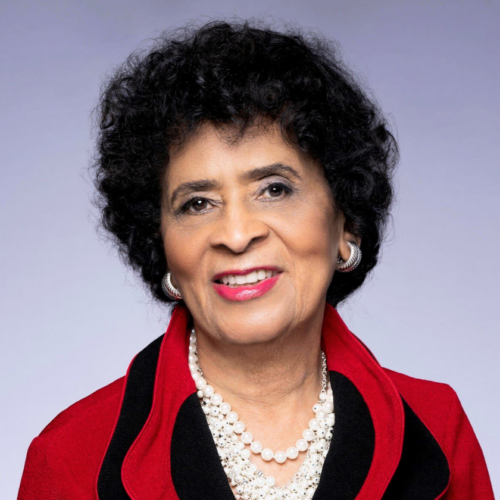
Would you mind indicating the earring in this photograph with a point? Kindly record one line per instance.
(352, 262)
(168, 289)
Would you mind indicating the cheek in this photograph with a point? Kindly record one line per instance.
(184, 248)
(311, 236)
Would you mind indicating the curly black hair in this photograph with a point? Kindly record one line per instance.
(238, 72)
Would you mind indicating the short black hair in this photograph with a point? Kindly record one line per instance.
(234, 73)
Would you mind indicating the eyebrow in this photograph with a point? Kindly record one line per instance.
(251, 175)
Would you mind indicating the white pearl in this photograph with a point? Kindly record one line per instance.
(270, 481)
(321, 415)
(206, 410)
(245, 454)
(301, 445)
(232, 417)
(216, 399)
(292, 453)
(193, 367)
(225, 408)
(316, 408)
(199, 394)
(208, 391)
(280, 457)
(247, 437)
(192, 358)
(323, 396)
(239, 427)
(267, 454)
(214, 411)
(256, 447)
(313, 424)
(196, 376)
(308, 434)
(328, 407)
(321, 433)
(201, 383)
(192, 348)
(261, 482)
(330, 419)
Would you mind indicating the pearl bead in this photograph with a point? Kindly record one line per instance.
(245, 454)
(225, 408)
(267, 454)
(192, 358)
(193, 367)
(280, 457)
(192, 348)
(199, 394)
(239, 427)
(321, 415)
(301, 445)
(323, 396)
(201, 383)
(232, 417)
(321, 433)
(313, 424)
(196, 376)
(261, 482)
(270, 481)
(308, 434)
(208, 390)
(214, 411)
(216, 399)
(256, 447)
(292, 453)
(328, 407)
(316, 408)
(247, 437)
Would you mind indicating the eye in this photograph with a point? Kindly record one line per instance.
(277, 190)
(195, 205)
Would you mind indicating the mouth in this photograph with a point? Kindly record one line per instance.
(245, 284)
(235, 279)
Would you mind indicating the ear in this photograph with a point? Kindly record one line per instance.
(344, 249)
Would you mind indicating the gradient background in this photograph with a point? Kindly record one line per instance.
(72, 317)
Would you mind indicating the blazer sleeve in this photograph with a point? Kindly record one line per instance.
(38, 481)
(469, 475)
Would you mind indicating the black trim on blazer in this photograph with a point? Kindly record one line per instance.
(195, 465)
(136, 406)
(197, 471)
(423, 472)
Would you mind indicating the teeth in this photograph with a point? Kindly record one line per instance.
(247, 279)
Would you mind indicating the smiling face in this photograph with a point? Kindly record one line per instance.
(251, 234)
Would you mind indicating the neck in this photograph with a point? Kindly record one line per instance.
(281, 372)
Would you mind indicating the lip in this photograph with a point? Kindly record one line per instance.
(246, 292)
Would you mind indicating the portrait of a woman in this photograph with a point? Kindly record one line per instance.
(247, 177)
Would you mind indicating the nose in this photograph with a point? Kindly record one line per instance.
(238, 228)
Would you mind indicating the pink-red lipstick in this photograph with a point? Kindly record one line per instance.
(245, 292)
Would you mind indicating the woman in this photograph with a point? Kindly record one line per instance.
(247, 177)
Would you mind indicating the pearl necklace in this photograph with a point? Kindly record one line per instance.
(230, 438)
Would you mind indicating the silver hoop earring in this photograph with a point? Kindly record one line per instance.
(352, 262)
(168, 289)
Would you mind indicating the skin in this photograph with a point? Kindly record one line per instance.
(263, 355)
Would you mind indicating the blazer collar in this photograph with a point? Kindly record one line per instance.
(161, 446)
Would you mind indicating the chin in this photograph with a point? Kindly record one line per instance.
(260, 325)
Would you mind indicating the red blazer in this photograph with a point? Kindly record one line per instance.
(144, 437)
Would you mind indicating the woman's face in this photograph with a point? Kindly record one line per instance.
(230, 210)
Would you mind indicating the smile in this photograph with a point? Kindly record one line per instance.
(245, 285)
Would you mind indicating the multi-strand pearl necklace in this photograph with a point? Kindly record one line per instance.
(248, 482)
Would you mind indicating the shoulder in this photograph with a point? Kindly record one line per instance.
(435, 403)
(92, 411)
(72, 445)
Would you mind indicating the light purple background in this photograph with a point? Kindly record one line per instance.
(72, 317)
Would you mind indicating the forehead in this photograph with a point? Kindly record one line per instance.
(218, 152)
